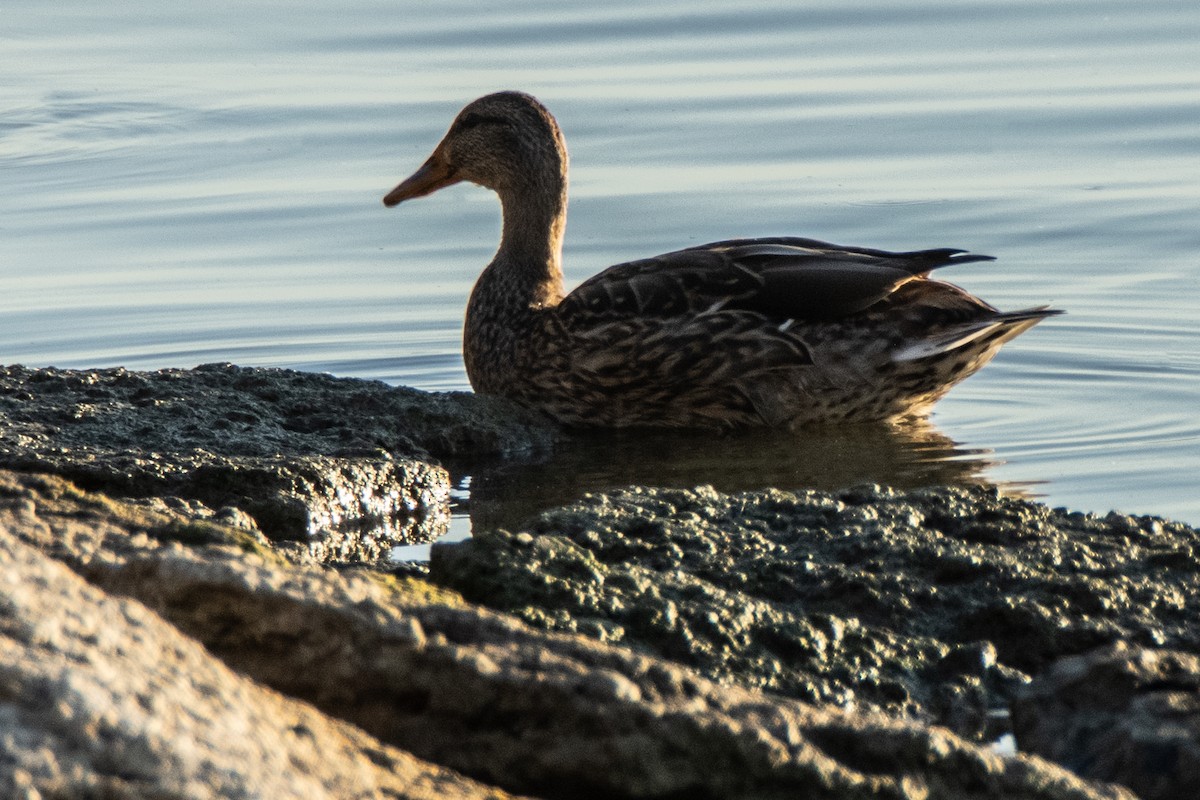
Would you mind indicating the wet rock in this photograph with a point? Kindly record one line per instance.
(935, 604)
(1124, 714)
(349, 466)
(480, 693)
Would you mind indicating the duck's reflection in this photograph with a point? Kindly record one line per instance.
(903, 456)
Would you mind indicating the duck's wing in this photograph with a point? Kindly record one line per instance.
(784, 277)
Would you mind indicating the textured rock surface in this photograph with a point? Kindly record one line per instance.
(935, 604)
(559, 716)
(1124, 714)
(300, 456)
(930, 605)
(101, 698)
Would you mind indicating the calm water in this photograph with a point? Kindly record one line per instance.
(194, 184)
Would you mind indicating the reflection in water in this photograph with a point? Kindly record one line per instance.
(914, 454)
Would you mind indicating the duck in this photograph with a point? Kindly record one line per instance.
(778, 332)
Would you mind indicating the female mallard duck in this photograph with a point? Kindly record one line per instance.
(778, 331)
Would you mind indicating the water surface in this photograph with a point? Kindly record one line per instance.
(195, 184)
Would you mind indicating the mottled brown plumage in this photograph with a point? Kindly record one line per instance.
(777, 332)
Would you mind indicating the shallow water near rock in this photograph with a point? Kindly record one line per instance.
(196, 184)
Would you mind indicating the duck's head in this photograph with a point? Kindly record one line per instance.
(506, 141)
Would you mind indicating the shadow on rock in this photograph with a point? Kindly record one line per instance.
(1125, 714)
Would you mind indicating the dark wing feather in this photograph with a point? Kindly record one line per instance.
(784, 277)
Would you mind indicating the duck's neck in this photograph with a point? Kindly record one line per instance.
(530, 254)
(523, 281)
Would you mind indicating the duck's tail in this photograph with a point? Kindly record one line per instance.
(988, 333)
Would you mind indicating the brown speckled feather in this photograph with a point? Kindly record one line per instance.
(775, 331)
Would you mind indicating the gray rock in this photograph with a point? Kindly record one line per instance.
(1124, 714)
(101, 698)
(347, 465)
(931, 605)
(556, 715)
(935, 604)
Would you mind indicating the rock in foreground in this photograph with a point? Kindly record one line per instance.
(102, 698)
(111, 697)
(1122, 714)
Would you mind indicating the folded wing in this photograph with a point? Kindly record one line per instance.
(788, 278)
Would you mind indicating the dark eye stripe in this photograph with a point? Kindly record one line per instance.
(472, 120)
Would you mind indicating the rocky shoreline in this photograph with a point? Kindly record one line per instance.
(193, 606)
